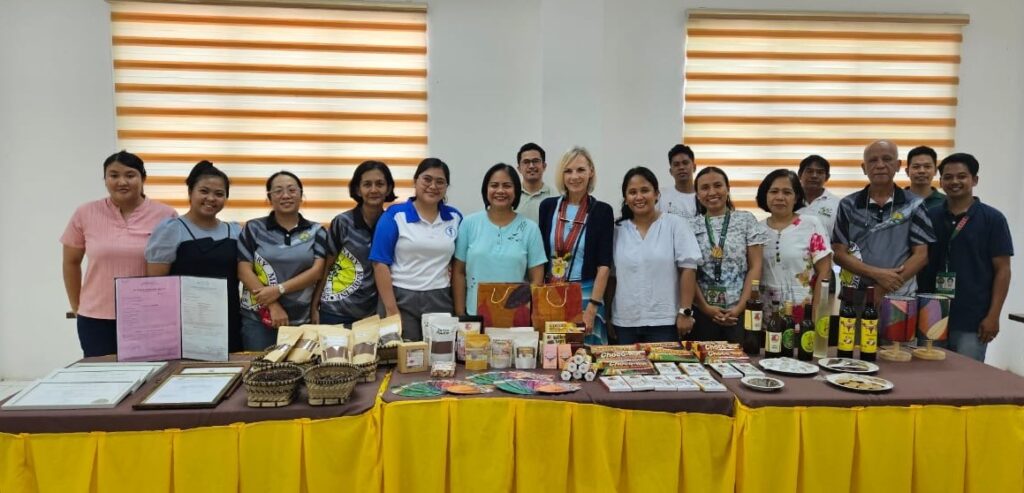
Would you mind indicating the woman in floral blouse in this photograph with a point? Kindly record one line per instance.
(797, 253)
(730, 243)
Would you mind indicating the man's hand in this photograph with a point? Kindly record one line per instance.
(888, 279)
(988, 329)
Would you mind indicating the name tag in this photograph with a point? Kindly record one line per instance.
(715, 296)
(945, 283)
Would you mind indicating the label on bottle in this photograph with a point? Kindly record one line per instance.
(789, 339)
(807, 341)
(752, 320)
(868, 336)
(821, 327)
(773, 342)
(847, 332)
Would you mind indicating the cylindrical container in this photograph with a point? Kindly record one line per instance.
(933, 316)
(897, 318)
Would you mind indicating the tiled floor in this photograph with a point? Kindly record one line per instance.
(10, 387)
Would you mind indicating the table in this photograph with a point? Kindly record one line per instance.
(956, 436)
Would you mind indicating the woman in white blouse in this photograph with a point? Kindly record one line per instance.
(797, 253)
(655, 257)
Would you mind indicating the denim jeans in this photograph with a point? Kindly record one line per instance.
(965, 343)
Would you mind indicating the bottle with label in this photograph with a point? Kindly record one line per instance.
(789, 331)
(822, 312)
(773, 336)
(847, 325)
(806, 336)
(869, 328)
(752, 321)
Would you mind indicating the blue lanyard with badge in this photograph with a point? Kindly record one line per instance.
(716, 292)
(945, 281)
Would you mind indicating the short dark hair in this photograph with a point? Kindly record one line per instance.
(713, 169)
(642, 172)
(517, 185)
(357, 177)
(794, 181)
(963, 158)
(922, 150)
(203, 169)
(128, 159)
(530, 146)
(680, 149)
(283, 173)
(814, 159)
(433, 162)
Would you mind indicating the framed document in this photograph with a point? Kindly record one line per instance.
(70, 395)
(194, 387)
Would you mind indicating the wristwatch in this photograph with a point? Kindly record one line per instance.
(280, 288)
(686, 312)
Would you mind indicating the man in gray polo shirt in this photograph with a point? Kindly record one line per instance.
(882, 232)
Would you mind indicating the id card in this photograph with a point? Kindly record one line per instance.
(945, 283)
(715, 296)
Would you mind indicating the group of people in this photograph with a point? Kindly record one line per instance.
(678, 262)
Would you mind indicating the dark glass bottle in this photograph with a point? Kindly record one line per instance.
(869, 328)
(789, 331)
(805, 344)
(773, 336)
(752, 321)
(847, 325)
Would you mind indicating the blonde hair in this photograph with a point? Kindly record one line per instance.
(569, 157)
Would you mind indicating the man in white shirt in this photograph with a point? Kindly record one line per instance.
(814, 174)
(680, 199)
(531, 160)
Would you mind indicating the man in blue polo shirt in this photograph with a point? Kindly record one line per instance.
(970, 260)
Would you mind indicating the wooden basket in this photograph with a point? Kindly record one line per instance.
(273, 385)
(331, 383)
(369, 371)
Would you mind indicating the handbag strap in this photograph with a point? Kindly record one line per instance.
(508, 290)
(565, 296)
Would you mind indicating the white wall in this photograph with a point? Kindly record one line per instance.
(604, 74)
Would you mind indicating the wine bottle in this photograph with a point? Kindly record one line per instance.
(869, 328)
(806, 340)
(847, 325)
(752, 321)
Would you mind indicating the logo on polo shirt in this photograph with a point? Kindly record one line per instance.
(450, 231)
(304, 236)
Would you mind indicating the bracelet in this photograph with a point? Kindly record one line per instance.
(596, 302)
(280, 289)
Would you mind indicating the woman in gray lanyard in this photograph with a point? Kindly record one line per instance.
(731, 242)
(199, 244)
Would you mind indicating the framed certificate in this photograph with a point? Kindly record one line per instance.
(194, 387)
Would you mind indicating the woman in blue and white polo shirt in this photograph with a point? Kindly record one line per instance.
(412, 251)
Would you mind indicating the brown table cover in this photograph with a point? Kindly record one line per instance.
(954, 381)
(594, 393)
(231, 410)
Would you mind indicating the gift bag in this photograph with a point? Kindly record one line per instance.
(560, 302)
(503, 304)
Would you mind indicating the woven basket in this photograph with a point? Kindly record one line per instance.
(331, 383)
(369, 371)
(259, 362)
(273, 385)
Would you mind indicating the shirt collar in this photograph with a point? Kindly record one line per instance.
(970, 210)
(544, 190)
(861, 201)
(360, 222)
(414, 217)
(273, 224)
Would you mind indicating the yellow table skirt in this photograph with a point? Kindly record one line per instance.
(508, 444)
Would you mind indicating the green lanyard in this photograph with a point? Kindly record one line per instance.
(717, 251)
(956, 232)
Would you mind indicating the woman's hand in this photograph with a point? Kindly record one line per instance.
(684, 325)
(278, 316)
(267, 295)
(589, 315)
(314, 313)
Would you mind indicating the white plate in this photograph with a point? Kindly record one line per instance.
(848, 365)
(764, 384)
(788, 366)
(850, 381)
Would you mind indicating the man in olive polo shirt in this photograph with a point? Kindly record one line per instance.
(882, 232)
(532, 163)
(921, 167)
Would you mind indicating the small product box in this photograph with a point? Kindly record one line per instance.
(694, 369)
(638, 383)
(708, 383)
(683, 383)
(726, 370)
(616, 384)
(412, 357)
(665, 368)
(661, 383)
(748, 370)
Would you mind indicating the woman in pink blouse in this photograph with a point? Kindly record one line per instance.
(112, 232)
(797, 251)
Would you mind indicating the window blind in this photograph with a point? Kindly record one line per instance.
(259, 89)
(764, 90)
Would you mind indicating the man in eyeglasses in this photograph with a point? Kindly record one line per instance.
(531, 161)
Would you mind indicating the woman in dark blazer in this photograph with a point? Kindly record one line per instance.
(577, 231)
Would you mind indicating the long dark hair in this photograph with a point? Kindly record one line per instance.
(713, 169)
(627, 213)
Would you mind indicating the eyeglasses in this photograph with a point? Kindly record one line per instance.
(429, 181)
(277, 192)
(532, 162)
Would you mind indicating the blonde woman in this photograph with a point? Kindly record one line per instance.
(577, 230)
